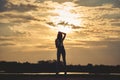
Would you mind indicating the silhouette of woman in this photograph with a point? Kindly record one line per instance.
(60, 50)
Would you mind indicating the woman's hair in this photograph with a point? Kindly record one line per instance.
(59, 36)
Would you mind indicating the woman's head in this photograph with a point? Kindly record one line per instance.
(59, 35)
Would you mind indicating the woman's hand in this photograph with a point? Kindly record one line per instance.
(63, 33)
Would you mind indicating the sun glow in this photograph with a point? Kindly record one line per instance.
(65, 29)
(65, 20)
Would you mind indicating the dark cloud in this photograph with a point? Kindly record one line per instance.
(23, 7)
(24, 17)
(112, 39)
(64, 24)
(41, 46)
(7, 44)
(39, 1)
(3, 5)
(51, 24)
(116, 3)
(16, 18)
(6, 5)
(89, 3)
(115, 20)
(111, 16)
(76, 27)
(116, 24)
(60, 1)
(108, 9)
(92, 3)
(5, 39)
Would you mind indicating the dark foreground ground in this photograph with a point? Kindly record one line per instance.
(58, 77)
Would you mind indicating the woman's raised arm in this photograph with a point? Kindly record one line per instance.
(64, 36)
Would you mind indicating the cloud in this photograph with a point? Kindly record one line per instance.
(22, 7)
(59, 1)
(107, 43)
(51, 24)
(41, 46)
(4, 24)
(3, 5)
(7, 44)
(5, 31)
(18, 18)
(63, 23)
(116, 24)
(112, 16)
(93, 3)
(6, 5)
(5, 39)
(45, 47)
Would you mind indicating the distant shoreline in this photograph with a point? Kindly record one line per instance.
(50, 66)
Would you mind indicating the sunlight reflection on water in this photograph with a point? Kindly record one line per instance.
(77, 73)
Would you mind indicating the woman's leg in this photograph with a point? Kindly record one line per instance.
(58, 61)
(64, 59)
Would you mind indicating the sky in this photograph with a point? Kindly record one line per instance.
(28, 29)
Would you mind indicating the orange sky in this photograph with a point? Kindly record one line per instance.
(28, 29)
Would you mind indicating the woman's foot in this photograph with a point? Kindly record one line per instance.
(57, 73)
(65, 73)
